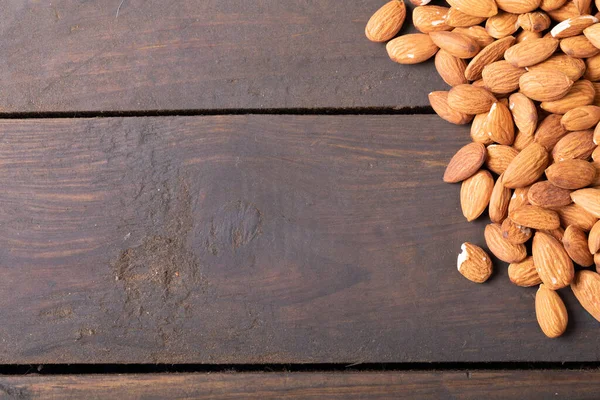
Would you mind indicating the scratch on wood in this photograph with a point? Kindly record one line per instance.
(119, 8)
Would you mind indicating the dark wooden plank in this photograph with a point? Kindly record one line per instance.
(72, 55)
(250, 239)
(367, 385)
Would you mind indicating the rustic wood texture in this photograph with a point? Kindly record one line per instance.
(368, 385)
(72, 55)
(250, 239)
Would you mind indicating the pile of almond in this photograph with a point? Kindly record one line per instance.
(524, 73)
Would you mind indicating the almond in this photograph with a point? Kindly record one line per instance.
(582, 93)
(596, 165)
(519, 198)
(498, 157)
(459, 19)
(523, 273)
(501, 77)
(531, 52)
(586, 287)
(571, 174)
(552, 262)
(522, 140)
(566, 11)
(527, 35)
(596, 86)
(596, 158)
(478, 8)
(592, 33)
(430, 18)
(502, 248)
(550, 131)
(475, 194)
(470, 99)
(549, 5)
(526, 167)
(596, 135)
(556, 233)
(578, 46)
(478, 34)
(411, 49)
(535, 217)
(592, 72)
(597, 260)
(474, 263)
(450, 68)
(524, 113)
(545, 85)
(499, 200)
(478, 133)
(583, 6)
(465, 163)
(594, 239)
(578, 144)
(515, 233)
(580, 118)
(439, 103)
(499, 124)
(488, 55)
(574, 214)
(573, 26)
(502, 24)
(550, 312)
(573, 67)
(518, 6)
(457, 44)
(386, 22)
(576, 244)
(420, 2)
(534, 21)
(545, 194)
(588, 199)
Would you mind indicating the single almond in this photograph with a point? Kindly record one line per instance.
(499, 124)
(502, 248)
(549, 5)
(470, 99)
(465, 163)
(586, 288)
(574, 214)
(550, 131)
(594, 239)
(518, 6)
(552, 262)
(537, 21)
(439, 103)
(411, 49)
(458, 19)
(524, 113)
(386, 22)
(527, 35)
(478, 34)
(498, 157)
(491, 53)
(478, 133)
(581, 118)
(592, 72)
(576, 244)
(545, 194)
(515, 233)
(499, 200)
(502, 24)
(457, 44)
(567, 11)
(582, 93)
(573, 67)
(524, 273)
(578, 46)
(573, 26)
(474, 263)
(478, 8)
(592, 33)
(550, 312)
(430, 18)
(522, 140)
(531, 52)
(571, 174)
(502, 77)
(535, 217)
(519, 198)
(450, 68)
(526, 167)
(545, 85)
(475, 193)
(578, 144)
(588, 199)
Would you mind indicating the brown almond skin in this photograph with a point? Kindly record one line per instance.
(592, 33)
(522, 140)
(470, 99)
(502, 24)
(498, 208)
(573, 67)
(551, 312)
(502, 77)
(413, 48)
(582, 93)
(573, 26)
(478, 133)
(478, 34)
(524, 273)
(478, 8)
(594, 239)
(475, 193)
(465, 163)
(527, 35)
(550, 131)
(556, 233)
(439, 103)
(430, 18)
(458, 19)
(535, 217)
(566, 11)
(491, 53)
(596, 156)
(526, 167)
(586, 288)
(545, 194)
(474, 263)
(502, 248)
(524, 113)
(574, 214)
(499, 124)
(498, 157)
(515, 233)
(519, 198)
(457, 44)
(545, 85)
(534, 21)
(571, 174)
(552, 262)
(531, 52)
(450, 68)
(549, 5)
(588, 199)
(578, 46)
(592, 72)
(518, 6)
(578, 144)
(597, 261)
(576, 244)
(581, 118)
(386, 22)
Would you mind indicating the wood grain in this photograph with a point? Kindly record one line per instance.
(499, 385)
(250, 239)
(72, 55)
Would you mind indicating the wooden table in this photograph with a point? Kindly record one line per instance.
(191, 188)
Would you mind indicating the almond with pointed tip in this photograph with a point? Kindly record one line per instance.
(550, 312)
(574, 214)
(575, 242)
(519, 198)
(596, 135)
(526, 167)
(457, 44)
(573, 67)
(439, 103)
(478, 134)
(502, 248)
(581, 118)
(550, 131)
(493, 52)
(478, 34)
(522, 140)
(502, 25)
(502, 77)
(556, 233)
(524, 113)
(458, 19)
(531, 52)
(465, 163)
(596, 157)
(478, 8)
(573, 26)
(417, 3)
(474, 263)
(566, 11)
(583, 6)
(537, 21)
(475, 193)
(430, 18)
(535, 217)
(545, 85)
(386, 22)
(518, 6)
(515, 233)
(592, 32)
(586, 288)
(578, 144)
(524, 273)
(411, 49)
(588, 199)
(527, 35)
(470, 99)
(499, 200)
(594, 238)
(498, 157)
(578, 46)
(549, 5)
(552, 262)
(582, 93)
(450, 68)
(499, 124)
(545, 194)
(592, 72)
(571, 174)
